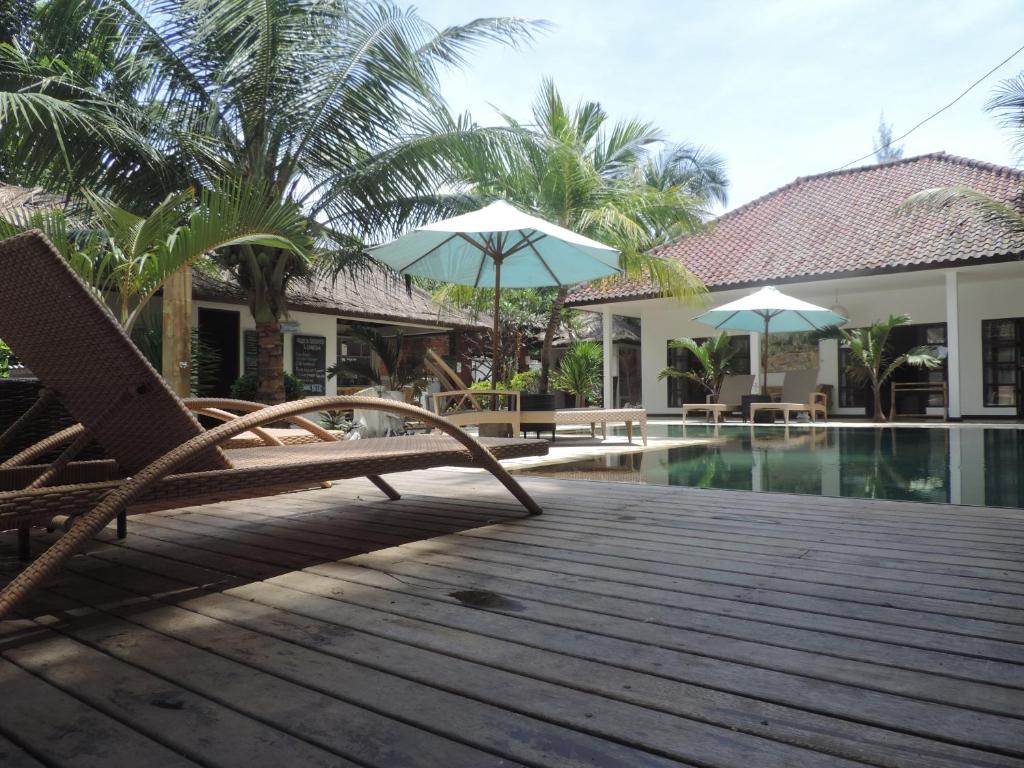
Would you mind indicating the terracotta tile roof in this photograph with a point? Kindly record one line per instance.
(373, 295)
(840, 223)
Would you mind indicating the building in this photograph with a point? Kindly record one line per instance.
(318, 330)
(837, 239)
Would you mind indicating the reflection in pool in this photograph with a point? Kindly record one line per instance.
(964, 465)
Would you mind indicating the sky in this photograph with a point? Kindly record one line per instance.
(780, 88)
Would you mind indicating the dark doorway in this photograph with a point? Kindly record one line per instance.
(902, 339)
(1003, 363)
(688, 391)
(216, 355)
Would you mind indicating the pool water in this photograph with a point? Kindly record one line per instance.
(960, 465)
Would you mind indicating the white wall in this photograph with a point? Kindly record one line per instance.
(985, 292)
(309, 324)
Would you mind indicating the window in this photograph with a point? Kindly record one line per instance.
(356, 352)
(1001, 342)
(685, 391)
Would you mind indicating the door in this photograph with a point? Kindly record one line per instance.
(216, 353)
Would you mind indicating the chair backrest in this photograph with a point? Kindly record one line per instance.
(734, 387)
(443, 371)
(61, 331)
(797, 386)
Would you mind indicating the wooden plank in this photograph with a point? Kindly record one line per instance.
(833, 736)
(764, 598)
(864, 666)
(59, 729)
(191, 646)
(189, 724)
(737, 619)
(987, 590)
(13, 756)
(802, 728)
(636, 648)
(771, 585)
(932, 585)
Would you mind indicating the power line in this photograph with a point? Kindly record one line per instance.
(935, 114)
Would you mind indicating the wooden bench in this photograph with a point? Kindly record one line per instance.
(593, 417)
(929, 387)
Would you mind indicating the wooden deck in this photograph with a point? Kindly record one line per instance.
(628, 626)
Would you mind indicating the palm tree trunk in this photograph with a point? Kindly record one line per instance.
(549, 336)
(879, 413)
(269, 363)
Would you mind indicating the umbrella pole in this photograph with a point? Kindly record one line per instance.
(496, 335)
(764, 356)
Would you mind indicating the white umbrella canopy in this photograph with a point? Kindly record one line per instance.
(499, 246)
(769, 310)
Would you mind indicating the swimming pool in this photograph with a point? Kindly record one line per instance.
(960, 465)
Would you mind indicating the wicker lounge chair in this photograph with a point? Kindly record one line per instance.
(159, 455)
(799, 395)
(729, 397)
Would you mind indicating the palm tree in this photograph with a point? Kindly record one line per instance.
(714, 356)
(116, 251)
(332, 106)
(575, 168)
(870, 360)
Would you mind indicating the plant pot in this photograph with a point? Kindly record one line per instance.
(538, 403)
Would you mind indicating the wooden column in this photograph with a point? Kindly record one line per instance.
(177, 331)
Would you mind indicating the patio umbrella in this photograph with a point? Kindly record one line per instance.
(769, 310)
(498, 246)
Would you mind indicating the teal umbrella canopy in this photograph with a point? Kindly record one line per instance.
(499, 246)
(769, 310)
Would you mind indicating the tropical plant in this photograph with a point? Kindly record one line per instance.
(575, 168)
(870, 360)
(332, 106)
(246, 385)
(1008, 103)
(5, 360)
(398, 366)
(579, 372)
(714, 356)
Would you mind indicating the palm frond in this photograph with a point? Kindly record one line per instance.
(970, 201)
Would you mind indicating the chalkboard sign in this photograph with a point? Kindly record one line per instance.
(251, 352)
(309, 363)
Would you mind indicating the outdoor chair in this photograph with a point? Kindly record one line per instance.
(158, 455)
(799, 395)
(729, 398)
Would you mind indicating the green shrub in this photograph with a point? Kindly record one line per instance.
(244, 387)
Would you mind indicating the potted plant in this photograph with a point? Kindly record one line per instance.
(579, 372)
(714, 356)
(870, 359)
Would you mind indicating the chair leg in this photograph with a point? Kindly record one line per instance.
(390, 492)
(122, 525)
(24, 543)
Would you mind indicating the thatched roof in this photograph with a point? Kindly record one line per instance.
(373, 295)
(14, 198)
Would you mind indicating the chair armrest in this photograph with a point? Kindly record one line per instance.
(819, 398)
(220, 408)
